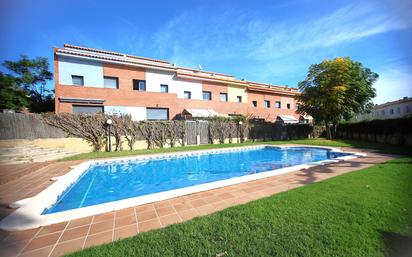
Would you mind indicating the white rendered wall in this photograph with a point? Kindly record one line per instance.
(155, 78)
(194, 87)
(92, 72)
(137, 113)
(399, 110)
(115, 109)
(235, 91)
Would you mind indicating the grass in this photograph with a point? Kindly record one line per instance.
(363, 213)
(318, 141)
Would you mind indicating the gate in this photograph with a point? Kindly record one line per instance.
(203, 129)
(191, 133)
(197, 132)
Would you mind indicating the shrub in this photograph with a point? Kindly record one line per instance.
(91, 128)
(129, 129)
(379, 127)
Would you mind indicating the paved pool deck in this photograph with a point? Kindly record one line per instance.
(59, 239)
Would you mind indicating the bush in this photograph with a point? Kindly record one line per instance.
(91, 128)
(298, 131)
(391, 131)
(379, 127)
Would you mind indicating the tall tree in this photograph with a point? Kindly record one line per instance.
(11, 96)
(335, 90)
(31, 76)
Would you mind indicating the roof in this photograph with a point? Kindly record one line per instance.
(288, 118)
(306, 116)
(202, 113)
(181, 72)
(403, 100)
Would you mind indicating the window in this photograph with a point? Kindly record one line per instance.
(288, 106)
(164, 88)
(277, 104)
(254, 103)
(383, 112)
(407, 109)
(223, 97)
(139, 85)
(399, 110)
(391, 111)
(187, 94)
(111, 82)
(239, 98)
(266, 103)
(298, 107)
(157, 113)
(87, 109)
(77, 80)
(207, 95)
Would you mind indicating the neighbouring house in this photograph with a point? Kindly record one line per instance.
(90, 80)
(199, 113)
(287, 119)
(390, 110)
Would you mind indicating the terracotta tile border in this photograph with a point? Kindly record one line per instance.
(63, 238)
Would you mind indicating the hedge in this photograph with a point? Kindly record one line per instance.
(389, 126)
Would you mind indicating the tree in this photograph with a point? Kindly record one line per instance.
(11, 96)
(30, 76)
(91, 128)
(335, 90)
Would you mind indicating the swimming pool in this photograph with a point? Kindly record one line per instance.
(100, 186)
(114, 181)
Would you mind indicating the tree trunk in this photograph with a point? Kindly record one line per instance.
(334, 126)
(328, 131)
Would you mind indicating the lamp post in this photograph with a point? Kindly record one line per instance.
(240, 134)
(109, 124)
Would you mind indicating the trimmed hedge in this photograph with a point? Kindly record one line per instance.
(389, 126)
(391, 131)
(277, 131)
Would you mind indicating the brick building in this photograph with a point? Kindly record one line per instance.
(91, 80)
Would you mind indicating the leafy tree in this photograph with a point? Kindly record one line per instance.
(336, 89)
(11, 96)
(30, 76)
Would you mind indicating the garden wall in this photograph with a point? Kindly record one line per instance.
(20, 129)
(390, 131)
(26, 126)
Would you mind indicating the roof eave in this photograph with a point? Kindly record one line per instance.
(106, 60)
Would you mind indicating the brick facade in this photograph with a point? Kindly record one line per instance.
(124, 95)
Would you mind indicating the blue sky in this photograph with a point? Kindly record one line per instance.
(265, 41)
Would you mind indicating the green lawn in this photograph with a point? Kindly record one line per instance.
(319, 141)
(362, 213)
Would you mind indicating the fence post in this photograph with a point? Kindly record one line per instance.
(197, 132)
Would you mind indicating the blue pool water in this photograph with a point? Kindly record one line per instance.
(113, 181)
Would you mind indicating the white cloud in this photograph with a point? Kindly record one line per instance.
(393, 84)
(272, 48)
(268, 49)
